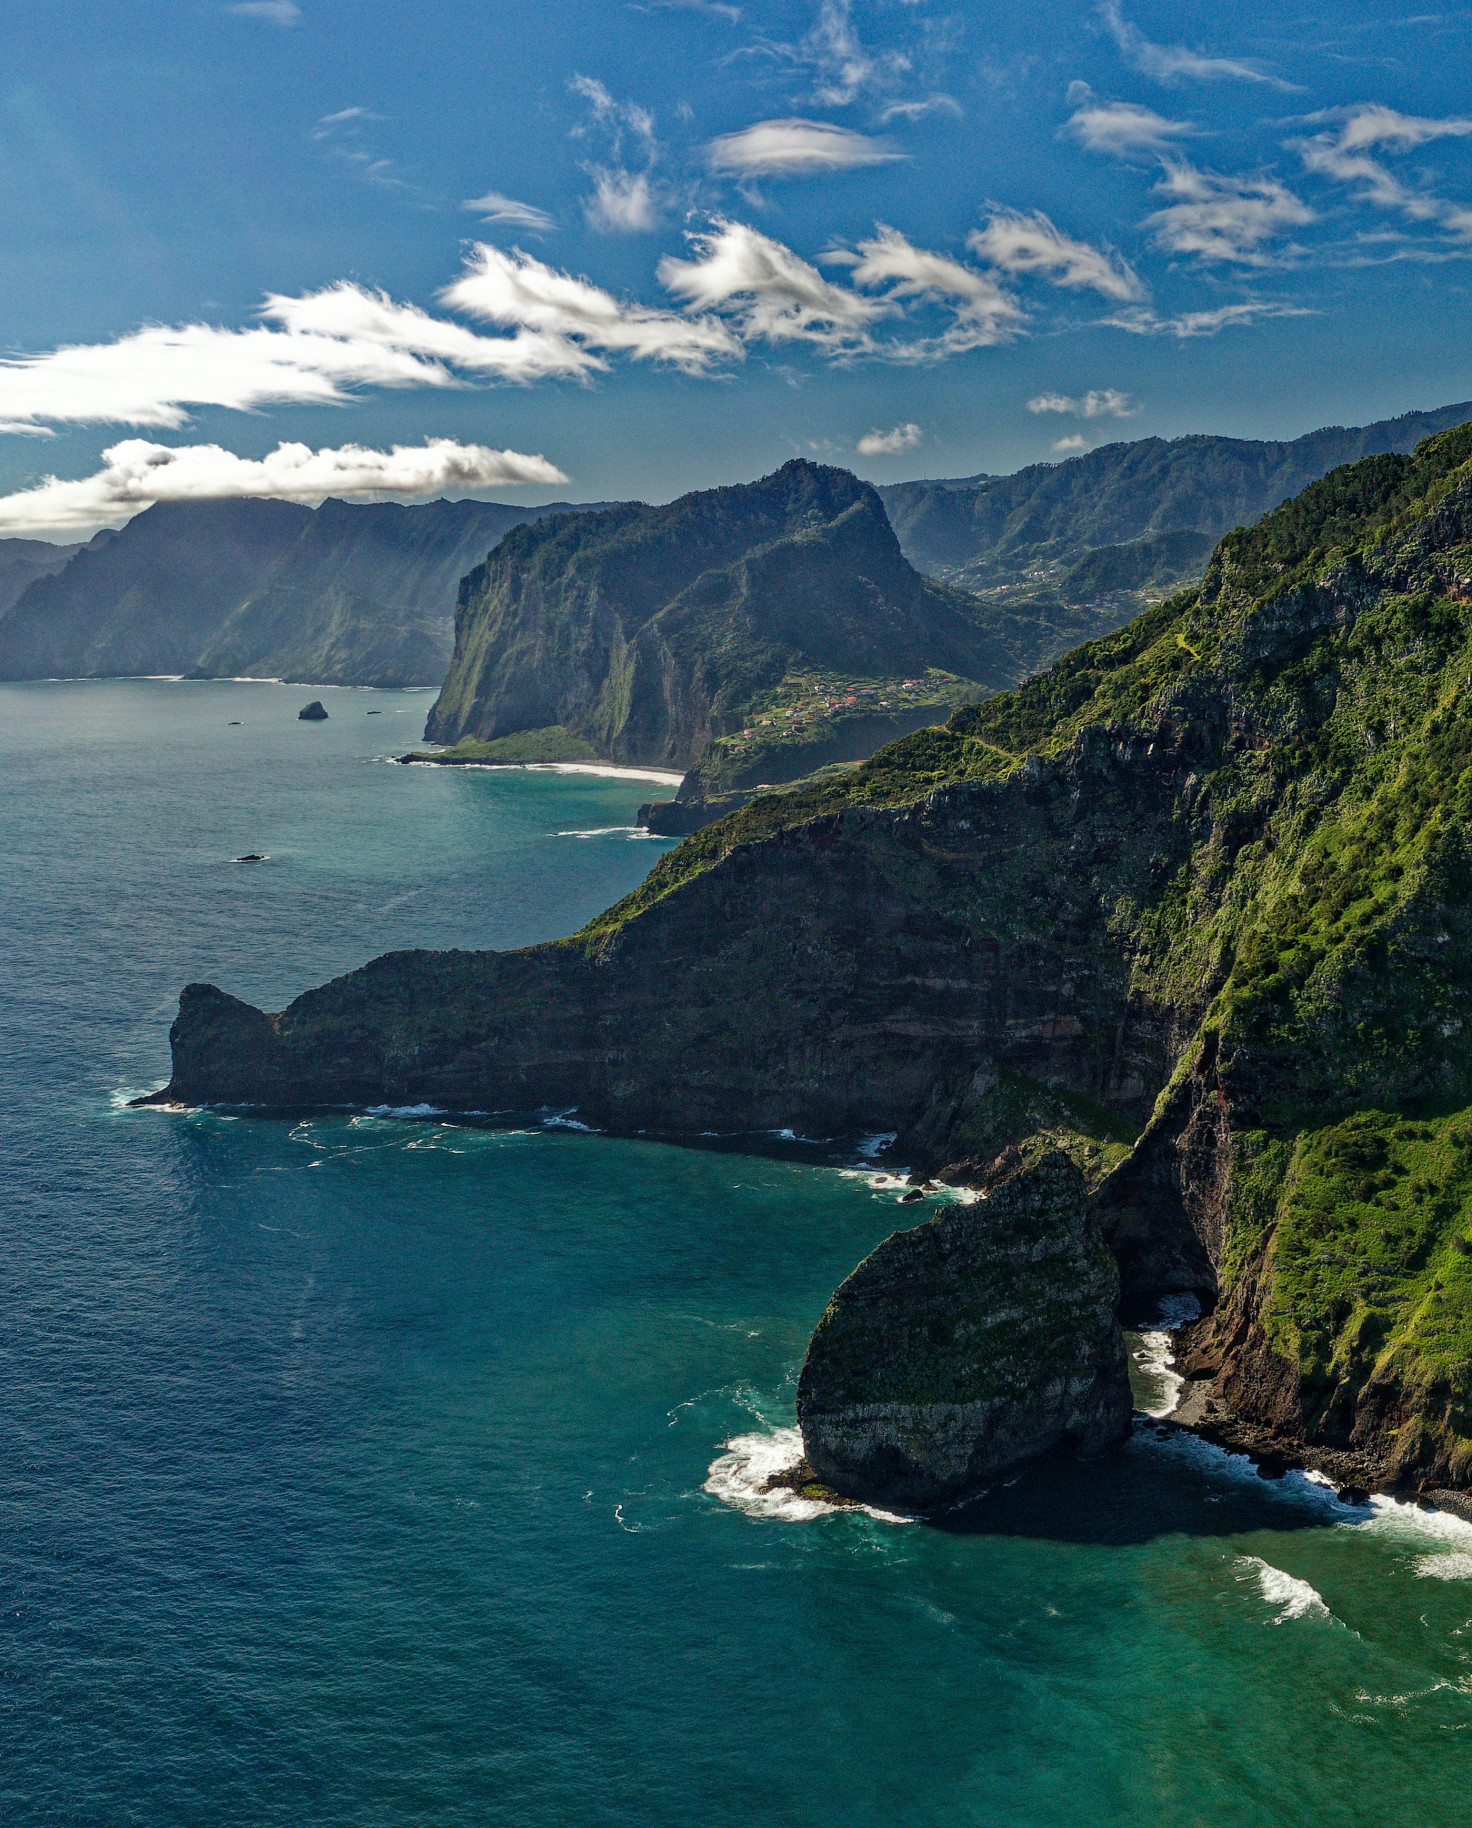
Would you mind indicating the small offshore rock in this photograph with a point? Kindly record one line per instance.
(314, 713)
(908, 1199)
(967, 1346)
(234, 724)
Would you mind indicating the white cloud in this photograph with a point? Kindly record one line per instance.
(1141, 321)
(1075, 443)
(137, 474)
(891, 443)
(1343, 158)
(1019, 242)
(1124, 130)
(275, 12)
(621, 201)
(1224, 218)
(493, 207)
(916, 111)
(774, 294)
(344, 117)
(844, 68)
(1170, 64)
(568, 314)
(794, 148)
(716, 8)
(1097, 403)
(983, 312)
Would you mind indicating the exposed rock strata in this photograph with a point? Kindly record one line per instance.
(958, 1350)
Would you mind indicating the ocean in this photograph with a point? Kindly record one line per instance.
(383, 1470)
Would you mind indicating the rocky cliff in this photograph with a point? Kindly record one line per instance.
(652, 631)
(346, 594)
(958, 1350)
(1196, 903)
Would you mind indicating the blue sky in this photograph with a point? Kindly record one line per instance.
(658, 246)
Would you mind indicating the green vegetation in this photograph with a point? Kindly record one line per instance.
(1370, 1274)
(553, 744)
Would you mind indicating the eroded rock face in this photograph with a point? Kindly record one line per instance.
(964, 1347)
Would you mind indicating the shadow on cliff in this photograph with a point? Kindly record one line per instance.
(1164, 1481)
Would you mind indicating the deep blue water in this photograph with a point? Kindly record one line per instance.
(354, 1471)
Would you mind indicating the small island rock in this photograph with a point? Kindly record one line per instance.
(968, 1345)
(313, 713)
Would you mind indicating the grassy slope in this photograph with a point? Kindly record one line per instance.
(1331, 901)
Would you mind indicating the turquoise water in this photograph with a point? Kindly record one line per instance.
(354, 1470)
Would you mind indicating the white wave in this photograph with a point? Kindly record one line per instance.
(405, 1110)
(871, 1145)
(740, 1477)
(561, 1120)
(604, 831)
(1453, 1566)
(1154, 1361)
(1295, 1599)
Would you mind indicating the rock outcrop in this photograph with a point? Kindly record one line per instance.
(975, 1342)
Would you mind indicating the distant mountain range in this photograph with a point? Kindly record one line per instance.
(743, 628)
(23, 561)
(757, 619)
(344, 594)
(1121, 507)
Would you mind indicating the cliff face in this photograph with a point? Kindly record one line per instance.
(1206, 885)
(974, 1342)
(650, 631)
(348, 594)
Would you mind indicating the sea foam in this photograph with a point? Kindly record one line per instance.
(1294, 1599)
(741, 1476)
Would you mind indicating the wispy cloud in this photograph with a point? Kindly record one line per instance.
(774, 294)
(716, 8)
(1073, 443)
(493, 207)
(1170, 64)
(1344, 158)
(274, 12)
(917, 110)
(892, 443)
(136, 474)
(623, 199)
(983, 313)
(795, 148)
(1123, 130)
(1142, 321)
(1097, 403)
(573, 317)
(844, 68)
(1019, 241)
(1225, 218)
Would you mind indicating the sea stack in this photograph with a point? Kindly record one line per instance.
(314, 713)
(963, 1348)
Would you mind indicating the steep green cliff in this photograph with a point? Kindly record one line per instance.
(657, 632)
(1207, 883)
